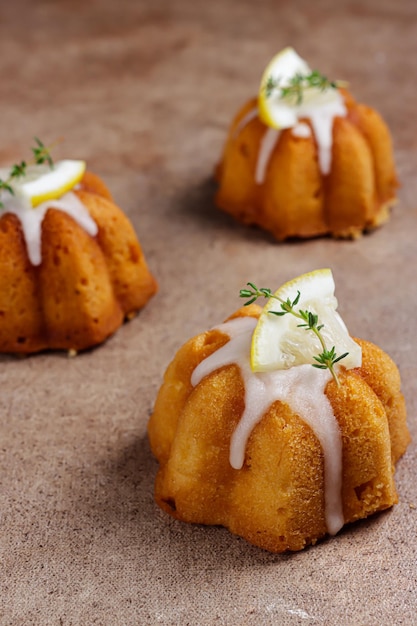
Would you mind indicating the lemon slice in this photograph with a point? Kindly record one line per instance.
(42, 183)
(279, 112)
(278, 342)
(283, 67)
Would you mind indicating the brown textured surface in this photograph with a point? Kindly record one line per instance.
(145, 92)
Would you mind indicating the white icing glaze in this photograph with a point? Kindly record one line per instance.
(267, 146)
(301, 387)
(268, 143)
(250, 115)
(31, 219)
(321, 113)
(302, 130)
(322, 118)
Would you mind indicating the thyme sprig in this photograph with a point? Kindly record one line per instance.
(326, 359)
(298, 84)
(41, 155)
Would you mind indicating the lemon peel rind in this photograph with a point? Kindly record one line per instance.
(267, 113)
(317, 295)
(70, 170)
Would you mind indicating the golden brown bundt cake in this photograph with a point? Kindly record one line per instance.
(71, 270)
(295, 181)
(280, 458)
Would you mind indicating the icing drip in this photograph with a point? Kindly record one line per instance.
(250, 115)
(302, 130)
(31, 219)
(301, 388)
(268, 143)
(322, 116)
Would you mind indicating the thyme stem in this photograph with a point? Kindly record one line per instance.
(41, 155)
(296, 87)
(326, 359)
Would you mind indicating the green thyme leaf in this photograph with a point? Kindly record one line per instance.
(295, 88)
(310, 321)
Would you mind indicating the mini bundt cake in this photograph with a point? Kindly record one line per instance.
(71, 268)
(279, 457)
(305, 159)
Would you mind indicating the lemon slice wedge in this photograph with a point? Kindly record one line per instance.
(283, 112)
(42, 183)
(283, 67)
(278, 342)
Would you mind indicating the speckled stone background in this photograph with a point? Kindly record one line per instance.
(145, 91)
